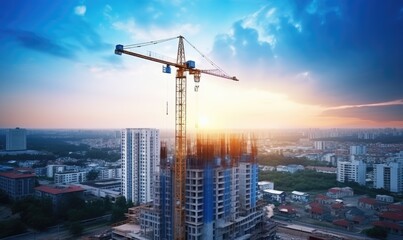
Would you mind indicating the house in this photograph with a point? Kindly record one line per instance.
(317, 210)
(337, 192)
(343, 223)
(18, 183)
(392, 221)
(337, 209)
(274, 195)
(299, 196)
(368, 203)
(287, 210)
(322, 199)
(384, 198)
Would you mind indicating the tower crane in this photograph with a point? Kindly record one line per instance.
(182, 67)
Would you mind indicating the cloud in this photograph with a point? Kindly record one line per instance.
(80, 10)
(352, 57)
(147, 33)
(39, 43)
(386, 113)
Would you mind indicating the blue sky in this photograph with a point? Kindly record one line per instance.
(305, 63)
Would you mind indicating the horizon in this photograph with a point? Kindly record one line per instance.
(301, 64)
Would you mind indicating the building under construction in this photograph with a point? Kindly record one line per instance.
(221, 192)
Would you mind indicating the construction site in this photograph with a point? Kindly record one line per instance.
(220, 192)
(207, 187)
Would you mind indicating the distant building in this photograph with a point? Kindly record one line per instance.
(354, 171)
(358, 150)
(59, 194)
(52, 169)
(140, 163)
(16, 139)
(389, 176)
(319, 145)
(263, 185)
(17, 184)
(384, 198)
(70, 177)
(337, 192)
(274, 195)
(292, 168)
(299, 196)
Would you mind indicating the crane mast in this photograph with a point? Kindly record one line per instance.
(180, 145)
(179, 166)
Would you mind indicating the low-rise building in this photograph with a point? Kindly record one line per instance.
(274, 195)
(299, 196)
(337, 192)
(18, 184)
(59, 194)
(70, 177)
(385, 198)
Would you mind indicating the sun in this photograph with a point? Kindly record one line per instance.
(204, 122)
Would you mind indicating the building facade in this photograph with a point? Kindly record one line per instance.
(70, 177)
(17, 184)
(140, 149)
(389, 176)
(221, 195)
(354, 171)
(16, 139)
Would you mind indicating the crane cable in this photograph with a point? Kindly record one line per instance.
(136, 45)
(205, 57)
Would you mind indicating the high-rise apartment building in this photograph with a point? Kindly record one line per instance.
(358, 150)
(140, 163)
(16, 139)
(389, 176)
(221, 193)
(351, 171)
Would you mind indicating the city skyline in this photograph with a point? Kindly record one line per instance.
(300, 64)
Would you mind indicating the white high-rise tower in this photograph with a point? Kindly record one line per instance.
(140, 163)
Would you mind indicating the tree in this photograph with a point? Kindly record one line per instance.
(376, 232)
(92, 175)
(76, 229)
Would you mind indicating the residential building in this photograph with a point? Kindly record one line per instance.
(358, 150)
(220, 195)
(18, 183)
(354, 171)
(59, 194)
(389, 176)
(337, 192)
(274, 195)
(140, 163)
(16, 139)
(299, 196)
(70, 177)
(385, 198)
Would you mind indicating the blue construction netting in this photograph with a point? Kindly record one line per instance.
(227, 192)
(253, 185)
(208, 194)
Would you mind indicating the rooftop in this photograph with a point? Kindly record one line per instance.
(18, 173)
(59, 190)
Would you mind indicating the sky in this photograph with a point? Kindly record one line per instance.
(301, 63)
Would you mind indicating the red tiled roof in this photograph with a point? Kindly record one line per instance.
(323, 197)
(395, 216)
(337, 205)
(398, 207)
(341, 222)
(57, 190)
(16, 175)
(390, 225)
(334, 190)
(369, 201)
(287, 208)
(316, 208)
